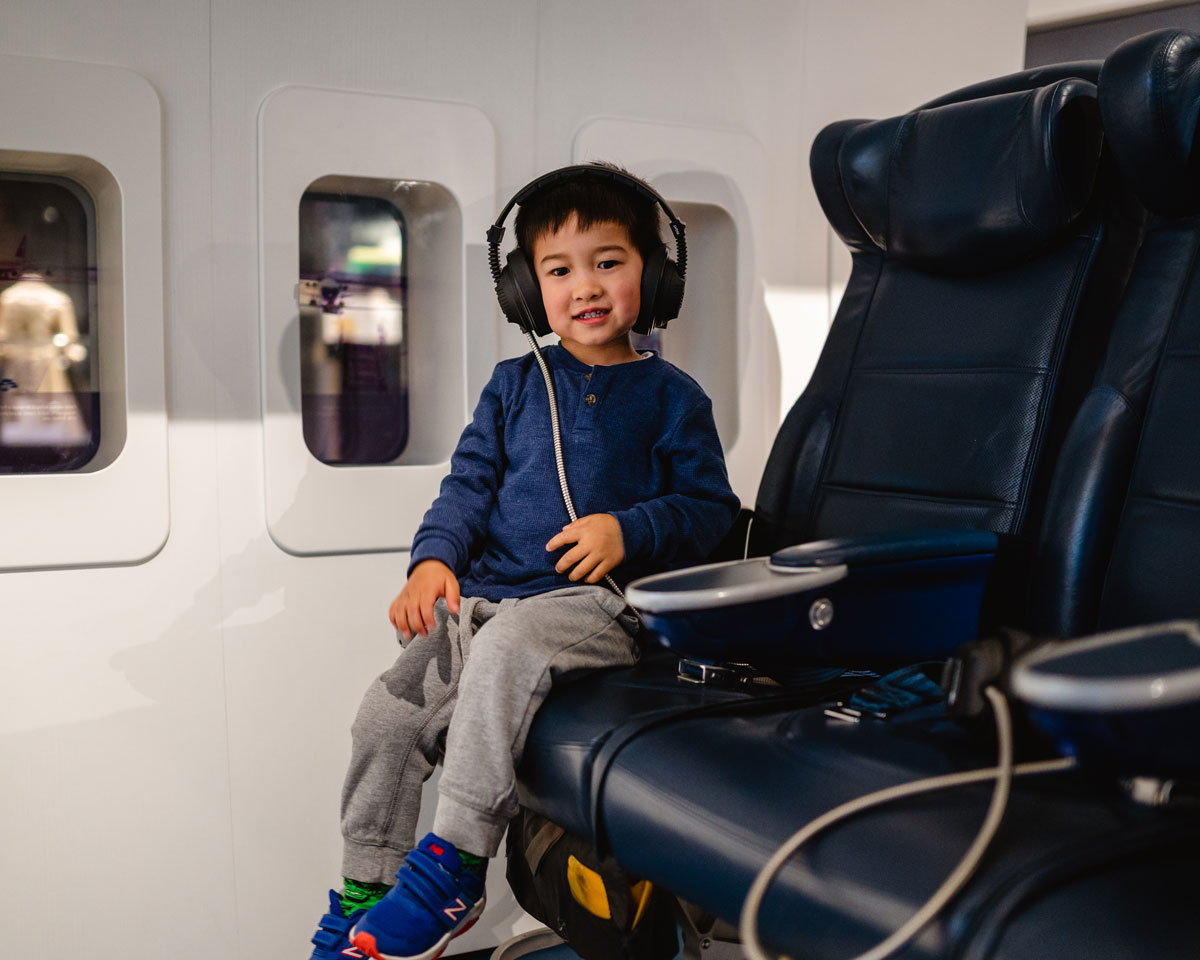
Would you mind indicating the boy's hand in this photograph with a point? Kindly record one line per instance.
(412, 611)
(598, 547)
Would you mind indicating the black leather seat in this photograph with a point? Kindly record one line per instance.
(1078, 869)
(989, 252)
(984, 278)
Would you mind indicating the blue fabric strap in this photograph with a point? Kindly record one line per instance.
(428, 881)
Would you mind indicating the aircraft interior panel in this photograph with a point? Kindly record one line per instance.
(88, 408)
(435, 163)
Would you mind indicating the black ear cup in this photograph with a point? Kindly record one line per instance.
(652, 268)
(520, 295)
(662, 292)
(670, 294)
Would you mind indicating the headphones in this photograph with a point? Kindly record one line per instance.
(517, 286)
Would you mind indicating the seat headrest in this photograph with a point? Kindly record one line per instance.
(1149, 101)
(1030, 79)
(963, 187)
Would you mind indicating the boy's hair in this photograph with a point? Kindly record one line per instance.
(592, 200)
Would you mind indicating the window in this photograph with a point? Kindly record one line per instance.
(704, 338)
(49, 387)
(353, 349)
(435, 163)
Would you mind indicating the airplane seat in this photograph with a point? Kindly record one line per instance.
(1147, 576)
(1082, 865)
(983, 270)
(1150, 101)
(990, 246)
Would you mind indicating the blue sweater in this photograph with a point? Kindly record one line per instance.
(639, 442)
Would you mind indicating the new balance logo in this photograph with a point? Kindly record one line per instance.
(453, 912)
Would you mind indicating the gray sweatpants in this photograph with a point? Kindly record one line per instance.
(467, 693)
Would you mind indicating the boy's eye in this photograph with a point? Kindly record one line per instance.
(608, 264)
(558, 271)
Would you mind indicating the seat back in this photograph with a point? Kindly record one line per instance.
(1121, 544)
(989, 248)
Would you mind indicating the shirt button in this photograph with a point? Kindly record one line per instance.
(590, 399)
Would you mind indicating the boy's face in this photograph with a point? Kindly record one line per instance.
(591, 287)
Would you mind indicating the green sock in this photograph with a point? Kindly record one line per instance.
(477, 865)
(361, 896)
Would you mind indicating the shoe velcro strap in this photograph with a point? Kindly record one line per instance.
(331, 921)
(429, 882)
(433, 871)
(328, 939)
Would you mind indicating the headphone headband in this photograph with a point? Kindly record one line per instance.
(576, 170)
(495, 233)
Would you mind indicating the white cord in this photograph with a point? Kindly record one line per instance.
(1002, 774)
(558, 453)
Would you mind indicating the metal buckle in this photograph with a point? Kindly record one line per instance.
(715, 674)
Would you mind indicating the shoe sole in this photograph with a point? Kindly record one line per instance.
(366, 941)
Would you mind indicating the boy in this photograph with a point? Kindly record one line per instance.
(502, 598)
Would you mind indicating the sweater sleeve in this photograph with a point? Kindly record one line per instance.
(685, 525)
(456, 524)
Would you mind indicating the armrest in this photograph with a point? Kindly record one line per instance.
(860, 551)
(1125, 701)
(863, 601)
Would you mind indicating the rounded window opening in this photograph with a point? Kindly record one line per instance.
(703, 340)
(49, 375)
(353, 348)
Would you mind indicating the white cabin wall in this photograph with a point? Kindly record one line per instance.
(174, 732)
(112, 690)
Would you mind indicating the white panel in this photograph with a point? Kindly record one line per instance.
(304, 134)
(99, 126)
(724, 169)
(703, 339)
(112, 702)
(1043, 13)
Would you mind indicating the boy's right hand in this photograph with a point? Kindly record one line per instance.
(412, 611)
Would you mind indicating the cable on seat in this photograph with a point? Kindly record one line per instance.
(1002, 773)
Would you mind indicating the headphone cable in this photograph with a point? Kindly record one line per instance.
(558, 455)
(1002, 773)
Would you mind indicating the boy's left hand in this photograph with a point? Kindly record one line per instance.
(598, 547)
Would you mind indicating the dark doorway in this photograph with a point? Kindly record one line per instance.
(1094, 39)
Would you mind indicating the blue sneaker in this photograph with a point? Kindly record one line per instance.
(332, 939)
(434, 900)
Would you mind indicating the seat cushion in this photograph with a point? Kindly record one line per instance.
(699, 805)
(584, 722)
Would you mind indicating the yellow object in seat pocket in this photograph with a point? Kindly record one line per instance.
(588, 889)
(641, 896)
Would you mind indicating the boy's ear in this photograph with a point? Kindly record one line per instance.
(520, 294)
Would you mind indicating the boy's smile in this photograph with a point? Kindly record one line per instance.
(591, 284)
